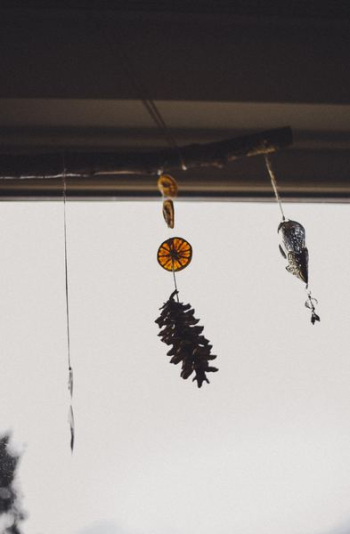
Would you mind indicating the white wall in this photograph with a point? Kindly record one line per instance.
(263, 449)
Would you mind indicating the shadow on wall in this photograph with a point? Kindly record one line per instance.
(344, 528)
(108, 527)
(104, 527)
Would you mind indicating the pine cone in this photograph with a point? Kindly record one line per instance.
(179, 329)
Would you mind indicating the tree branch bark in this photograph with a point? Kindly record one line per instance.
(216, 154)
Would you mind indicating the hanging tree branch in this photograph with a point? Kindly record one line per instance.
(10, 501)
(216, 154)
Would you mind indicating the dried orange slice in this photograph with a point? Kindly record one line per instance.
(174, 254)
(168, 213)
(167, 185)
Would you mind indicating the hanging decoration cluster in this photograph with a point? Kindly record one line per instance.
(177, 321)
(293, 247)
(179, 327)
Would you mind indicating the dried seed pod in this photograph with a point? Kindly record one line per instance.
(169, 213)
(167, 185)
(188, 345)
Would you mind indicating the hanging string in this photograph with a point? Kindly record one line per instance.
(175, 284)
(274, 184)
(174, 277)
(66, 263)
(142, 93)
(70, 369)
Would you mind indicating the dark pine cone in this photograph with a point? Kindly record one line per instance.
(179, 329)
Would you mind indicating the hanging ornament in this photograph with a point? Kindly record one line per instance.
(71, 426)
(310, 303)
(293, 247)
(70, 369)
(168, 187)
(174, 254)
(294, 250)
(177, 321)
(168, 213)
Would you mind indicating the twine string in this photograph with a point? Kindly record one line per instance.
(142, 92)
(274, 184)
(66, 266)
(174, 277)
(70, 370)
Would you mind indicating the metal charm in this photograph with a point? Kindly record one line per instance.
(293, 249)
(310, 303)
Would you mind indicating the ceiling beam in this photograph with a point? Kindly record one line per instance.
(217, 154)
